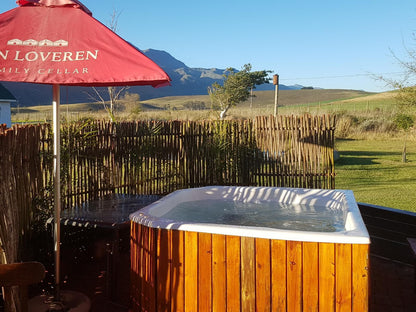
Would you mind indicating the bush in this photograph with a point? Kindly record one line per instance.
(347, 125)
(404, 121)
(195, 105)
(344, 127)
(369, 125)
(380, 125)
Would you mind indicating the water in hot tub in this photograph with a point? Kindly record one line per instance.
(260, 214)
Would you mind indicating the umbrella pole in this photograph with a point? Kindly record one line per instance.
(57, 189)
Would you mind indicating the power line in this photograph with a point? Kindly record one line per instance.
(344, 76)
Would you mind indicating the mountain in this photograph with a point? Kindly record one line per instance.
(185, 81)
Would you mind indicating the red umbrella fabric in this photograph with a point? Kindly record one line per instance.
(58, 42)
(74, 3)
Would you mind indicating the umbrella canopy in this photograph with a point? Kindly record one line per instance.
(58, 42)
(74, 3)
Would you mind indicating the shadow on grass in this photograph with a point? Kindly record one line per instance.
(361, 158)
(366, 157)
(360, 161)
(369, 153)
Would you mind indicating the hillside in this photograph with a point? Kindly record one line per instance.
(185, 81)
(266, 98)
(263, 102)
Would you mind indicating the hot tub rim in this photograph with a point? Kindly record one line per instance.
(357, 234)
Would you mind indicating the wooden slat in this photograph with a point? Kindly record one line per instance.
(178, 291)
(133, 262)
(144, 268)
(219, 274)
(391, 227)
(386, 213)
(233, 254)
(391, 249)
(278, 278)
(326, 277)
(164, 261)
(152, 270)
(343, 277)
(294, 276)
(205, 272)
(360, 278)
(263, 274)
(310, 277)
(388, 229)
(191, 271)
(135, 265)
(248, 276)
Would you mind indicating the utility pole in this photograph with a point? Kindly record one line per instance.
(251, 98)
(276, 93)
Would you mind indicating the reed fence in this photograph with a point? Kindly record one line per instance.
(20, 182)
(301, 149)
(158, 157)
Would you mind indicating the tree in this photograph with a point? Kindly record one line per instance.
(131, 102)
(236, 87)
(406, 88)
(404, 122)
(112, 93)
(406, 91)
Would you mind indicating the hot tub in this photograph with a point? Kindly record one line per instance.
(250, 249)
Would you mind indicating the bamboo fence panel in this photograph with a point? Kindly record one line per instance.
(158, 157)
(303, 147)
(21, 180)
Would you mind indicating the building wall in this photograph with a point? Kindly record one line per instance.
(5, 114)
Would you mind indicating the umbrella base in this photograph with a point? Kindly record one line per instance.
(72, 301)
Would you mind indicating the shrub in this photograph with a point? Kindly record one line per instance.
(344, 127)
(195, 105)
(369, 125)
(380, 125)
(404, 121)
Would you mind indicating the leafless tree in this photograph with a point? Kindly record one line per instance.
(112, 93)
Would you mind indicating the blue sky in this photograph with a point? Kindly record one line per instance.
(328, 44)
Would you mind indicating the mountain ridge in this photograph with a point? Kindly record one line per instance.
(185, 81)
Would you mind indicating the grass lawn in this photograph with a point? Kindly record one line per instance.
(374, 170)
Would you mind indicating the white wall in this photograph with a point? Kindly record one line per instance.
(5, 114)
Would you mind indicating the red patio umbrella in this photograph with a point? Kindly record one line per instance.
(58, 42)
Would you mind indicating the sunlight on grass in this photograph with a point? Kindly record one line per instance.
(374, 170)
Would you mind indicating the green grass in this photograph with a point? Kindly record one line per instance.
(374, 170)
(172, 107)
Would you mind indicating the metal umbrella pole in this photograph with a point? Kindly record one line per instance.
(57, 189)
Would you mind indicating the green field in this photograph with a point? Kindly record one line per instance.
(177, 107)
(374, 170)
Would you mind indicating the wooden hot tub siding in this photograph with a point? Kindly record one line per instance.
(174, 270)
